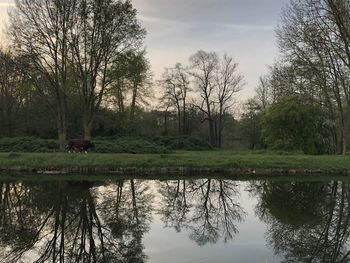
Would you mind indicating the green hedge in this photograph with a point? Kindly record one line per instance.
(182, 143)
(28, 144)
(128, 145)
(156, 145)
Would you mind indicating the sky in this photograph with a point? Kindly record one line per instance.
(176, 29)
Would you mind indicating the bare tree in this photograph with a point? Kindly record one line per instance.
(264, 93)
(203, 69)
(228, 83)
(176, 83)
(216, 82)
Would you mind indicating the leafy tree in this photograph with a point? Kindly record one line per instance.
(314, 39)
(101, 31)
(296, 124)
(40, 31)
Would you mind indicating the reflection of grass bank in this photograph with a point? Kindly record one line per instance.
(209, 159)
(102, 178)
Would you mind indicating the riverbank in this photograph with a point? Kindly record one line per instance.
(182, 162)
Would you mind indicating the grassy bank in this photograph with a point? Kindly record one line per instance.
(224, 159)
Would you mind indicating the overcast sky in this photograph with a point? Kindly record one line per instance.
(176, 29)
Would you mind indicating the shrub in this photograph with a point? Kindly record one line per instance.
(182, 143)
(297, 124)
(128, 145)
(28, 144)
(156, 145)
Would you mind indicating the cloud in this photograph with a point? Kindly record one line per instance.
(6, 4)
(250, 27)
(160, 21)
(243, 27)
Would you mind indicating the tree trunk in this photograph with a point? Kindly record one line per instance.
(165, 123)
(61, 129)
(342, 135)
(133, 108)
(220, 131)
(211, 133)
(179, 120)
(88, 124)
(133, 103)
(184, 128)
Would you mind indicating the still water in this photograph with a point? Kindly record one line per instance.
(202, 220)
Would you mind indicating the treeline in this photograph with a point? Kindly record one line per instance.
(303, 103)
(186, 107)
(69, 54)
(79, 68)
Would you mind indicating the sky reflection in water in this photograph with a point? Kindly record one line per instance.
(204, 220)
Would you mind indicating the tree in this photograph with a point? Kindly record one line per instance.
(203, 69)
(175, 82)
(13, 91)
(251, 124)
(139, 77)
(228, 83)
(216, 81)
(315, 40)
(40, 31)
(264, 93)
(103, 29)
(296, 124)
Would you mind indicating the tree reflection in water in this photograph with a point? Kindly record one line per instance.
(92, 222)
(72, 222)
(307, 222)
(208, 209)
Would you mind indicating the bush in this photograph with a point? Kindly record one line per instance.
(297, 124)
(28, 144)
(182, 143)
(128, 145)
(156, 145)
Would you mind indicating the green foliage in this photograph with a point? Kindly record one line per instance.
(294, 204)
(182, 143)
(128, 145)
(251, 125)
(297, 124)
(140, 145)
(103, 145)
(28, 144)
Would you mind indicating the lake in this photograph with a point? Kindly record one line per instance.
(155, 221)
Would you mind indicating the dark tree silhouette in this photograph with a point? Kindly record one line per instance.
(307, 222)
(207, 208)
(73, 222)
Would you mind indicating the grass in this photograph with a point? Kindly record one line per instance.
(218, 158)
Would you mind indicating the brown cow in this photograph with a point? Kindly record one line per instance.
(79, 145)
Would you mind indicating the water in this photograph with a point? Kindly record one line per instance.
(202, 220)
